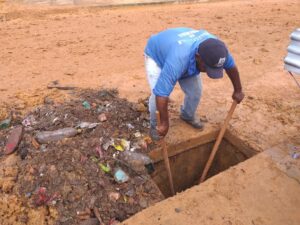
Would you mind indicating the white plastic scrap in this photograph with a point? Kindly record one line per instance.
(115, 154)
(295, 155)
(134, 147)
(29, 121)
(87, 125)
(43, 148)
(55, 119)
(125, 144)
(137, 134)
(107, 144)
(130, 126)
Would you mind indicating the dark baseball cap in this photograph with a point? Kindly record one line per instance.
(214, 54)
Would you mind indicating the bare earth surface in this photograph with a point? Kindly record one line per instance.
(97, 47)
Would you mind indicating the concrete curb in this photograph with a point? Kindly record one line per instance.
(110, 3)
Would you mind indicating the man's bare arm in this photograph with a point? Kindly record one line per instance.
(234, 76)
(162, 107)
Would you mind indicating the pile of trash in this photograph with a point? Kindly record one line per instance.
(86, 157)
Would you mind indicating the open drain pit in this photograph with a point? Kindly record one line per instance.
(77, 176)
(188, 159)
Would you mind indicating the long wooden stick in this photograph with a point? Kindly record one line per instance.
(217, 143)
(166, 157)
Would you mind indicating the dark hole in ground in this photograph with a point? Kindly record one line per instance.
(188, 163)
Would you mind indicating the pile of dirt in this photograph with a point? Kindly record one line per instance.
(77, 176)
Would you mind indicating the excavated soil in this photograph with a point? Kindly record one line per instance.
(65, 175)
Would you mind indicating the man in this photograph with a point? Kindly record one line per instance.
(180, 54)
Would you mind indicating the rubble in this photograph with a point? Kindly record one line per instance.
(73, 164)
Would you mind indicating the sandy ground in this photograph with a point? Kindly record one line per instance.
(93, 47)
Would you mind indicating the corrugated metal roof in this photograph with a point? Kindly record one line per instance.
(292, 60)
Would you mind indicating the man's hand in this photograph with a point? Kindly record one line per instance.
(162, 129)
(162, 107)
(238, 96)
(234, 76)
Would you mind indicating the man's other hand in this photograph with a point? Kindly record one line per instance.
(238, 96)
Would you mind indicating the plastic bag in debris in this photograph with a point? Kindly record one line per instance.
(86, 105)
(104, 168)
(5, 123)
(120, 176)
(119, 144)
(137, 161)
(48, 136)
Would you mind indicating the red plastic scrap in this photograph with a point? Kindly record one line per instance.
(99, 150)
(83, 159)
(42, 198)
(113, 222)
(13, 140)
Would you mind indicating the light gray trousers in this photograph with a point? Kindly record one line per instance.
(191, 86)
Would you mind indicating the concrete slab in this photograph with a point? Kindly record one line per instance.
(287, 158)
(259, 191)
(104, 2)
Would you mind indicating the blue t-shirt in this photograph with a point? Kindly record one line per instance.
(174, 52)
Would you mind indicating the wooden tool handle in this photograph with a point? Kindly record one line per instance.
(167, 164)
(157, 118)
(166, 157)
(218, 141)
